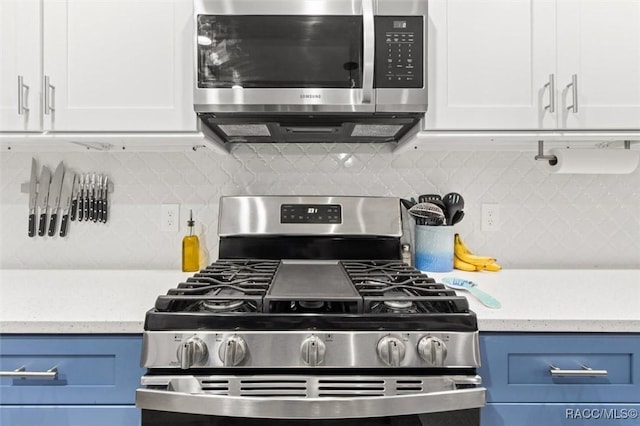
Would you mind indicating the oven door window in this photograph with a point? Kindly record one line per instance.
(279, 51)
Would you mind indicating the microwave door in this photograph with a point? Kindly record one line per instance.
(296, 57)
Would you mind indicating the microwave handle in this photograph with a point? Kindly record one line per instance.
(369, 51)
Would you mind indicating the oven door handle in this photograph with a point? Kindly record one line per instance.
(310, 408)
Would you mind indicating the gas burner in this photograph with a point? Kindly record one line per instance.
(399, 305)
(311, 304)
(218, 303)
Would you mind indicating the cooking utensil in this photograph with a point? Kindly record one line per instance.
(453, 203)
(43, 197)
(33, 195)
(427, 214)
(65, 200)
(75, 195)
(54, 197)
(105, 199)
(457, 217)
(426, 198)
(471, 287)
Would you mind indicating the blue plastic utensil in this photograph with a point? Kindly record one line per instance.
(471, 287)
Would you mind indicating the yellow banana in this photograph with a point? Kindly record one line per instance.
(465, 260)
(493, 267)
(462, 265)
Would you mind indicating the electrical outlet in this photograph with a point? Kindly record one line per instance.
(170, 217)
(490, 217)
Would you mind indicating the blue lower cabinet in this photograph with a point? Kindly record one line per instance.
(95, 382)
(46, 415)
(560, 379)
(536, 414)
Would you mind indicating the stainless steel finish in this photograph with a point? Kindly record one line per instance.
(344, 349)
(294, 100)
(43, 188)
(23, 96)
(310, 397)
(391, 351)
(552, 93)
(49, 96)
(261, 216)
(574, 93)
(583, 372)
(312, 351)
(67, 190)
(432, 350)
(21, 373)
(368, 47)
(33, 187)
(232, 351)
(56, 187)
(192, 352)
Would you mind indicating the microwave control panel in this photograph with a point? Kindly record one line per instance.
(399, 51)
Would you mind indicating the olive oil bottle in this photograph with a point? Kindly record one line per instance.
(190, 249)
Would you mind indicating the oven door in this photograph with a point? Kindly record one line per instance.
(284, 56)
(312, 400)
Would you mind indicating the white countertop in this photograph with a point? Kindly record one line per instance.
(115, 301)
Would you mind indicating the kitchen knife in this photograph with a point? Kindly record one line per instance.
(65, 200)
(100, 195)
(54, 197)
(33, 196)
(81, 199)
(74, 197)
(87, 196)
(105, 200)
(43, 197)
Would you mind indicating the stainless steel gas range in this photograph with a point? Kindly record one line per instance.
(310, 317)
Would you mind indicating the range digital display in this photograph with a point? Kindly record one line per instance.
(310, 213)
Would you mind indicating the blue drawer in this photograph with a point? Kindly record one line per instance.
(498, 414)
(517, 367)
(69, 415)
(92, 369)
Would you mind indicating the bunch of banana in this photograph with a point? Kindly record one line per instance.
(464, 260)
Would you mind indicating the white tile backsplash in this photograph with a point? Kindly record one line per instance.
(546, 221)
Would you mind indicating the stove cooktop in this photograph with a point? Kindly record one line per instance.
(249, 294)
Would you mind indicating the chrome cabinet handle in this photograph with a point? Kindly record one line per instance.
(369, 53)
(584, 372)
(49, 96)
(552, 93)
(21, 373)
(574, 93)
(23, 94)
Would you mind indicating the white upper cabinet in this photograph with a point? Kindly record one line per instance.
(599, 47)
(508, 64)
(107, 65)
(20, 62)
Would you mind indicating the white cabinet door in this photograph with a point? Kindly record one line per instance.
(489, 64)
(118, 65)
(20, 62)
(599, 43)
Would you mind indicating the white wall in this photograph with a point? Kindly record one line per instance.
(551, 221)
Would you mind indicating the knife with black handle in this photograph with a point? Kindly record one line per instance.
(43, 197)
(54, 197)
(81, 198)
(33, 194)
(74, 198)
(105, 200)
(65, 200)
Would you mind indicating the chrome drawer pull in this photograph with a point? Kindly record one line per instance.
(20, 373)
(574, 93)
(584, 372)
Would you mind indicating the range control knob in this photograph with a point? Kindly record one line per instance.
(432, 350)
(312, 351)
(391, 351)
(232, 351)
(192, 352)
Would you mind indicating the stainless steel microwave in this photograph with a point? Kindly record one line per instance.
(309, 65)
